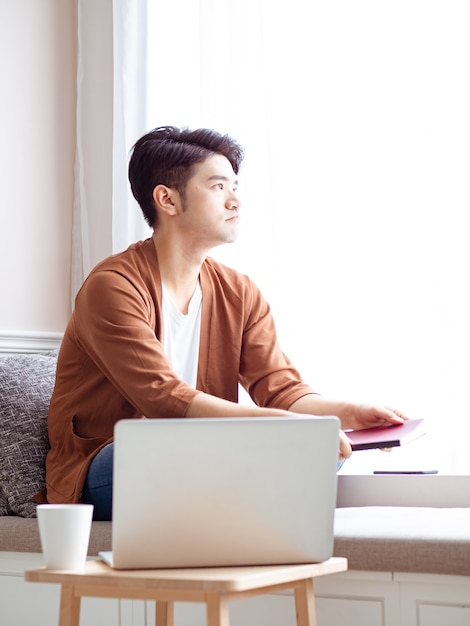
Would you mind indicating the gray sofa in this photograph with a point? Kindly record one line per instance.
(26, 383)
(403, 539)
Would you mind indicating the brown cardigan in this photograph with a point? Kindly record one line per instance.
(112, 366)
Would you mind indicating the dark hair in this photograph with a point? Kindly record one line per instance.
(167, 155)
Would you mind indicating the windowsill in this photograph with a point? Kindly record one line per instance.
(432, 490)
(450, 487)
(440, 451)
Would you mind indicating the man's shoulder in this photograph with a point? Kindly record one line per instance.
(136, 254)
(226, 282)
(224, 272)
(135, 266)
(136, 263)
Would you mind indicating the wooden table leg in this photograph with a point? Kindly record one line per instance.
(305, 603)
(164, 614)
(69, 614)
(217, 609)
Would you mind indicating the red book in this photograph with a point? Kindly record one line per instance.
(386, 436)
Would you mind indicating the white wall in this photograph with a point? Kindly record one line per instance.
(37, 130)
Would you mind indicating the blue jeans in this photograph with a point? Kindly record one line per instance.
(98, 487)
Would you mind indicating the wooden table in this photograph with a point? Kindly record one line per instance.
(214, 586)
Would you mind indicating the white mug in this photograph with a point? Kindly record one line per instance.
(64, 530)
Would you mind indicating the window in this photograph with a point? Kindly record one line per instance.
(354, 116)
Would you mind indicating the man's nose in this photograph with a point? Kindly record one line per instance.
(233, 202)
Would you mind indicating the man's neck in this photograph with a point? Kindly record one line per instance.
(179, 269)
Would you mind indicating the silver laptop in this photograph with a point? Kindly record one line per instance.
(223, 492)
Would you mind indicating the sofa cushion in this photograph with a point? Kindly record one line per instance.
(404, 539)
(384, 539)
(22, 535)
(26, 383)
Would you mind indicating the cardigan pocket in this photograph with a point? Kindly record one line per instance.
(88, 446)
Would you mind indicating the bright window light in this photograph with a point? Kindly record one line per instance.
(356, 189)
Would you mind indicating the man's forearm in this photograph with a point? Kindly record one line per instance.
(206, 405)
(314, 404)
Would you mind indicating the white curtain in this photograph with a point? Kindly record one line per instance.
(111, 104)
(129, 113)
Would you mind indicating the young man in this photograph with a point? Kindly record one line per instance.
(162, 330)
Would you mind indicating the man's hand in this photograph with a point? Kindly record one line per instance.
(359, 416)
(345, 449)
(353, 416)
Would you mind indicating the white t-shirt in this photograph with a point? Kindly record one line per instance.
(181, 333)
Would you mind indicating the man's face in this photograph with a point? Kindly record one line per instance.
(210, 203)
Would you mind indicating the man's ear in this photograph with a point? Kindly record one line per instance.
(166, 199)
